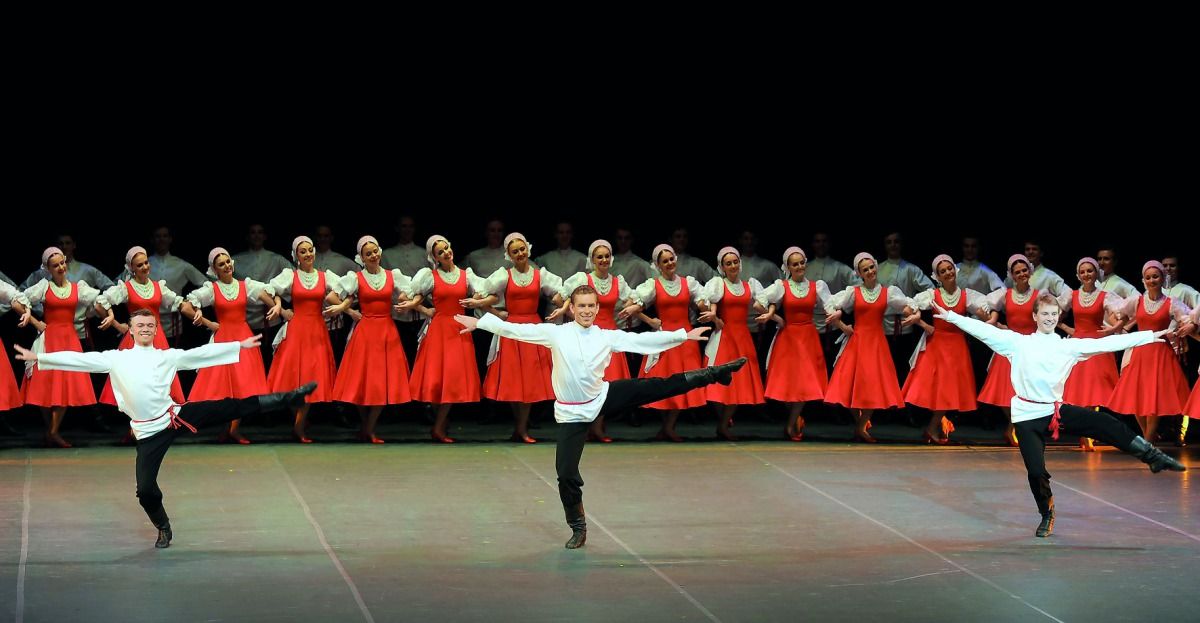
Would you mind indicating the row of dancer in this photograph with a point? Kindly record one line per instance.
(520, 374)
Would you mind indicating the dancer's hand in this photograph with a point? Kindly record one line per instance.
(909, 321)
(697, 334)
(198, 319)
(272, 313)
(108, 321)
(25, 318)
(470, 322)
(252, 342)
(554, 315)
(24, 354)
(833, 318)
(763, 318)
(405, 306)
(654, 323)
(354, 314)
(939, 312)
(629, 311)
(707, 316)
(1158, 335)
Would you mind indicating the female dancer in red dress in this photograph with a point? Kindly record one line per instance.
(374, 370)
(1092, 380)
(444, 372)
(671, 296)
(864, 377)
(10, 394)
(614, 293)
(55, 390)
(732, 298)
(519, 373)
(795, 364)
(140, 292)
(227, 296)
(304, 353)
(1152, 384)
(941, 378)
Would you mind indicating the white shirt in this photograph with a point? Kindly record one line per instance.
(690, 266)
(408, 257)
(141, 376)
(836, 276)
(580, 358)
(633, 268)
(485, 261)
(909, 279)
(1042, 362)
(334, 261)
(562, 261)
(1184, 292)
(261, 265)
(1115, 284)
(977, 276)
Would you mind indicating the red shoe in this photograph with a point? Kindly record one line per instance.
(930, 439)
(439, 438)
(365, 438)
(300, 438)
(600, 438)
(522, 439)
(726, 435)
(225, 437)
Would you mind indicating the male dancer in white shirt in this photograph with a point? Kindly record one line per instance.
(1041, 363)
(141, 379)
(581, 352)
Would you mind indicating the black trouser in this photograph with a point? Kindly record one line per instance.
(152, 449)
(622, 395)
(1076, 422)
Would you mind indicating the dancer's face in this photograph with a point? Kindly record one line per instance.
(868, 271)
(141, 266)
(305, 255)
(947, 275)
(1153, 279)
(602, 259)
(1046, 317)
(1020, 274)
(518, 251)
(444, 255)
(143, 329)
(666, 264)
(797, 266)
(732, 265)
(584, 308)
(223, 265)
(57, 267)
(1087, 274)
(371, 254)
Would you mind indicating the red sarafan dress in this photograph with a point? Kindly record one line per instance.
(673, 312)
(154, 304)
(1192, 408)
(521, 371)
(735, 341)
(796, 364)
(1092, 380)
(374, 369)
(942, 379)
(247, 377)
(606, 318)
(58, 388)
(864, 376)
(10, 394)
(997, 389)
(305, 354)
(1153, 382)
(444, 370)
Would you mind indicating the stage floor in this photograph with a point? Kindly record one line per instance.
(749, 531)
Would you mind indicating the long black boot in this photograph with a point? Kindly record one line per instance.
(1155, 458)
(578, 524)
(290, 400)
(1047, 526)
(722, 374)
(164, 536)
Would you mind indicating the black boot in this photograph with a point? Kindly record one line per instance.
(291, 400)
(164, 536)
(1155, 458)
(1047, 526)
(722, 374)
(578, 525)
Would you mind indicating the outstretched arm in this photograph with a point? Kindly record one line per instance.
(523, 332)
(999, 340)
(652, 342)
(218, 354)
(65, 360)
